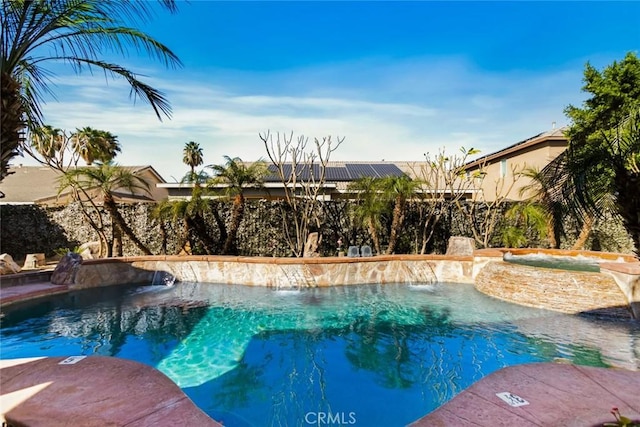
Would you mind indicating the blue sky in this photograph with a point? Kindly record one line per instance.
(395, 79)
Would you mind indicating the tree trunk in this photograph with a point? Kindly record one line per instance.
(117, 241)
(396, 223)
(222, 227)
(584, 234)
(551, 233)
(118, 221)
(11, 121)
(163, 235)
(627, 183)
(236, 218)
(187, 245)
(374, 235)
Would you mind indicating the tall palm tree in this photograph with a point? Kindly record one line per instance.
(235, 175)
(105, 180)
(95, 145)
(48, 141)
(79, 33)
(192, 157)
(398, 189)
(369, 207)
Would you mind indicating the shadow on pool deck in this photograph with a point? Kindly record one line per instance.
(94, 391)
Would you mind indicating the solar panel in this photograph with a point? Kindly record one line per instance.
(304, 172)
(359, 170)
(273, 174)
(348, 172)
(335, 173)
(331, 173)
(386, 169)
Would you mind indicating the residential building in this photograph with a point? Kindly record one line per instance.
(338, 175)
(39, 185)
(501, 168)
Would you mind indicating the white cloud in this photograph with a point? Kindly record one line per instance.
(392, 111)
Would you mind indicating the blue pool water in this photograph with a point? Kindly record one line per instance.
(370, 355)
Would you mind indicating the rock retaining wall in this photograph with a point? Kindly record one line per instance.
(613, 291)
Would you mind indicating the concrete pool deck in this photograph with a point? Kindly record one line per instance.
(93, 391)
(555, 395)
(100, 390)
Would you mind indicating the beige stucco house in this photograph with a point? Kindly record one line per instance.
(501, 169)
(39, 185)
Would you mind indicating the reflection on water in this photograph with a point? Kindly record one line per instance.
(384, 354)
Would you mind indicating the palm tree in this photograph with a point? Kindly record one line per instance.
(399, 189)
(94, 144)
(608, 178)
(541, 193)
(105, 180)
(79, 33)
(195, 237)
(236, 176)
(48, 141)
(192, 157)
(369, 206)
(525, 215)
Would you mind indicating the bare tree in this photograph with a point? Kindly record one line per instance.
(483, 213)
(444, 183)
(302, 170)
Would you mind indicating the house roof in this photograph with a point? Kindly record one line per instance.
(29, 184)
(339, 171)
(544, 137)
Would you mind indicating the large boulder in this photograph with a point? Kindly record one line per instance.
(8, 265)
(89, 250)
(65, 271)
(461, 246)
(311, 245)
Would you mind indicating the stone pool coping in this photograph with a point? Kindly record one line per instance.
(614, 291)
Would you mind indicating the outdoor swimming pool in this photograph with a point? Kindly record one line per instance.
(367, 355)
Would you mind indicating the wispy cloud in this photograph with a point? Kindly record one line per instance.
(392, 111)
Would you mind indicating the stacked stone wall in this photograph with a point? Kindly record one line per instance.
(31, 229)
